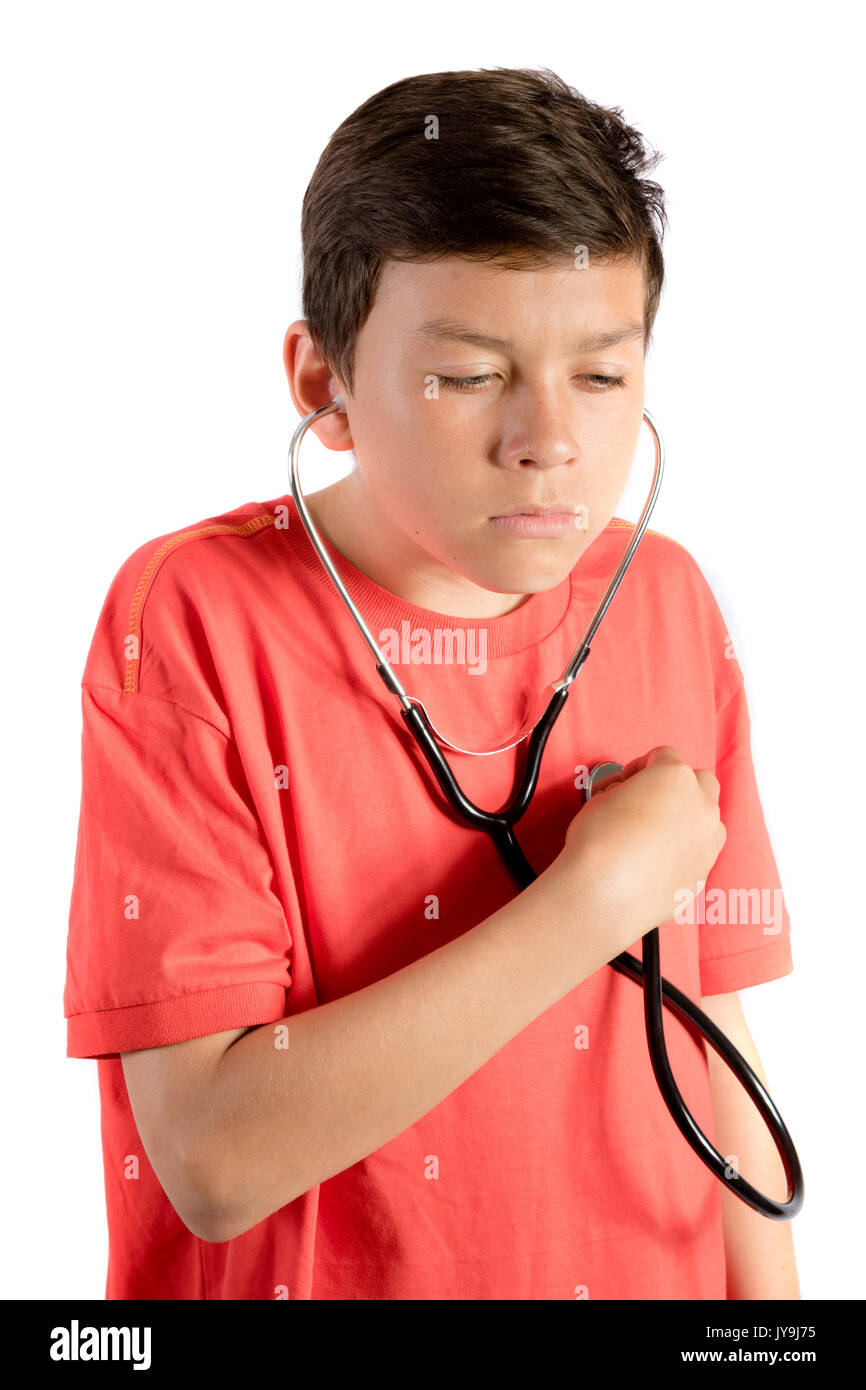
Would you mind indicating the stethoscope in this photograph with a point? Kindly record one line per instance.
(499, 825)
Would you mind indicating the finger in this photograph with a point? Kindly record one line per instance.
(638, 764)
(709, 783)
(663, 754)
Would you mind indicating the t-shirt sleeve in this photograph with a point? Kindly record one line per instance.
(745, 937)
(175, 930)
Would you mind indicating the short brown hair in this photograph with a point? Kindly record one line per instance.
(524, 169)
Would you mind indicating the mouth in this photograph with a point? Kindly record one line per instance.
(534, 522)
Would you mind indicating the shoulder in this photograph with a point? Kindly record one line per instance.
(657, 552)
(664, 563)
(673, 596)
(167, 583)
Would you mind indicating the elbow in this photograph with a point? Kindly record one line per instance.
(201, 1215)
(213, 1213)
(199, 1200)
(204, 1225)
(215, 1220)
(217, 1224)
(212, 1226)
(209, 1220)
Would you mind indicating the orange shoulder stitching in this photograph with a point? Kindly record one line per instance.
(618, 523)
(249, 528)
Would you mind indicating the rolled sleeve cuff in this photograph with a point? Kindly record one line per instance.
(755, 967)
(108, 1032)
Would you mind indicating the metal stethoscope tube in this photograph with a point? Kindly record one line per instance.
(658, 993)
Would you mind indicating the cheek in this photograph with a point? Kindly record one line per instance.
(619, 477)
(418, 496)
(603, 493)
(434, 485)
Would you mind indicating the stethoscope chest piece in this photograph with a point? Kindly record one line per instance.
(600, 771)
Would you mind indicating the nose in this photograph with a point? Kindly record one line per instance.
(541, 439)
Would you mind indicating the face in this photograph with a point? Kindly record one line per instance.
(483, 395)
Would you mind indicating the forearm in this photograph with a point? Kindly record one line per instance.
(759, 1253)
(360, 1070)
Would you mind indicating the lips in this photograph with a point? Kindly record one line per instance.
(549, 509)
(538, 523)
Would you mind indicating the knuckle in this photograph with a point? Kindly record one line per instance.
(667, 752)
(682, 772)
(710, 781)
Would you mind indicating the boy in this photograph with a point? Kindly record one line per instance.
(339, 1057)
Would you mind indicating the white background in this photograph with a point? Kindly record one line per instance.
(154, 162)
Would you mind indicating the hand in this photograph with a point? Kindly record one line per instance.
(647, 832)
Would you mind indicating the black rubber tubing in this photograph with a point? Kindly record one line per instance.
(658, 992)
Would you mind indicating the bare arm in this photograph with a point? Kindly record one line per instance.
(236, 1126)
(759, 1253)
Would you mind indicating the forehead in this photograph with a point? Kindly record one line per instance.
(456, 299)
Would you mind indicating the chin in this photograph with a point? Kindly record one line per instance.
(532, 574)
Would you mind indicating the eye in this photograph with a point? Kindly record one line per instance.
(606, 382)
(464, 383)
(474, 383)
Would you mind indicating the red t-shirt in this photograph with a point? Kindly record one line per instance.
(256, 838)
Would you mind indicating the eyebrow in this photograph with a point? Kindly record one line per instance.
(459, 332)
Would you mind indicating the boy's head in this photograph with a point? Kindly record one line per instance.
(450, 207)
